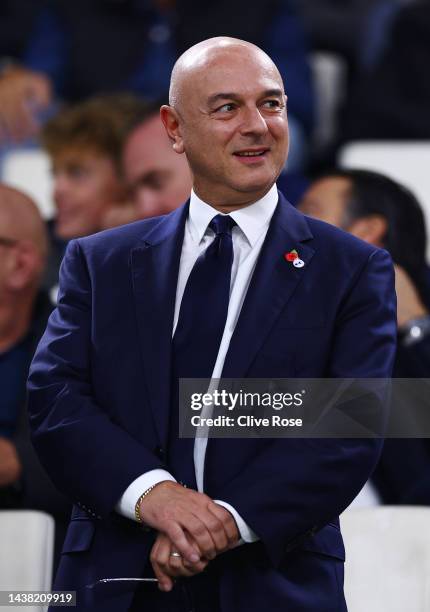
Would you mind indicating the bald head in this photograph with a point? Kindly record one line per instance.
(228, 115)
(20, 219)
(207, 55)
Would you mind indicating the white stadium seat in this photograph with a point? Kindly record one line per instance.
(29, 171)
(387, 559)
(329, 74)
(27, 548)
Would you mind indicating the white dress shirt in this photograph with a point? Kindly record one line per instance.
(248, 237)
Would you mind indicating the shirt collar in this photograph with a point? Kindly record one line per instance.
(253, 220)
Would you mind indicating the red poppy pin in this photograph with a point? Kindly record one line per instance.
(293, 257)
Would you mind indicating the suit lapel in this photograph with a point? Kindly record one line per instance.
(155, 267)
(273, 283)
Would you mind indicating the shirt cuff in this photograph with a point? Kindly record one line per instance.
(129, 498)
(246, 532)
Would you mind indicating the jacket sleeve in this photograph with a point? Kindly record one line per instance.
(88, 457)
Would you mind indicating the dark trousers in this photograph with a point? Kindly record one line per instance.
(197, 594)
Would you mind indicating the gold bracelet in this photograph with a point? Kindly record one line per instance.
(137, 506)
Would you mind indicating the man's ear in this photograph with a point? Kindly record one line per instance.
(170, 119)
(372, 229)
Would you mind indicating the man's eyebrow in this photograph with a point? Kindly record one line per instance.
(273, 92)
(222, 96)
(235, 96)
(152, 175)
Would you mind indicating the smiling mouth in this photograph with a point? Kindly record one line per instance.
(259, 153)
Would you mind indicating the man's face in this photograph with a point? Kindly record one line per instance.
(7, 247)
(326, 200)
(159, 180)
(233, 126)
(5, 254)
(85, 185)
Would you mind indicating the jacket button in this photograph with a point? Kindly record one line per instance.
(159, 451)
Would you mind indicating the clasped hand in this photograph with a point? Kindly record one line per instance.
(189, 523)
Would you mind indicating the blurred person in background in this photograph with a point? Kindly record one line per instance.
(18, 88)
(23, 253)
(78, 49)
(24, 311)
(159, 179)
(386, 214)
(84, 143)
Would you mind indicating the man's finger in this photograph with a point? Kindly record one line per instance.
(165, 582)
(214, 525)
(177, 566)
(228, 522)
(168, 566)
(201, 536)
(195, 568)
(159, 559)
(181, 544)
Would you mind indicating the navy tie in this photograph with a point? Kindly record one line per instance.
(201, 323)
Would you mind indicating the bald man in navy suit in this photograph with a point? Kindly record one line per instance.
(207, 291)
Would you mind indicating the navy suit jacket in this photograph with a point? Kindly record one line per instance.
(99, 402)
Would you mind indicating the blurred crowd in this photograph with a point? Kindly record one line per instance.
(83, 81)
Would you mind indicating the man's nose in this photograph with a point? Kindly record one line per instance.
(147, 203)
(253, 122)
(60, 186)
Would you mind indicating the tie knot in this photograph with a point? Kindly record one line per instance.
(222, 224)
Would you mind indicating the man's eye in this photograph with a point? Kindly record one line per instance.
(156, 184)
(272, 104)
(79, 173)
(225, 108)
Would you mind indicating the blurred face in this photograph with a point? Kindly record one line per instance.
(6, 252)
(326, 200)
(231, 122)
(23, 246)
(159, 180)
(85, 185)
(8, 247)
